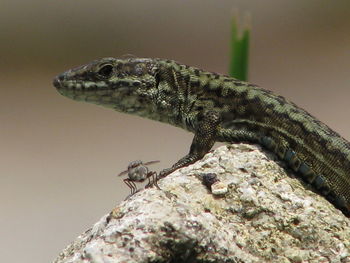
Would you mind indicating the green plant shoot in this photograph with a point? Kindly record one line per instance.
(240, 37)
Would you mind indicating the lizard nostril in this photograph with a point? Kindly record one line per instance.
(60, 77)
(57, 82)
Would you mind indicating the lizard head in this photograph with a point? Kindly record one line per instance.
(126, 85)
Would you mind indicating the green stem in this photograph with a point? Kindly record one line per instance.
(239, 50)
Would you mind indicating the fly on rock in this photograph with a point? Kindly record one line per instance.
(138, 172)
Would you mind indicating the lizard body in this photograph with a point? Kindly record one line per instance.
(217, 108)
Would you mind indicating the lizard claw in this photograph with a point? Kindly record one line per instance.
(164, 173)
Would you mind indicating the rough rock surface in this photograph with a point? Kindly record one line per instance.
(264, 215)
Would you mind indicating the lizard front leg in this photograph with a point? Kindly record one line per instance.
(204, 138)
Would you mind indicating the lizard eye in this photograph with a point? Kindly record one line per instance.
(105, 71)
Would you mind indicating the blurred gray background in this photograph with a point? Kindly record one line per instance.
(60, 158)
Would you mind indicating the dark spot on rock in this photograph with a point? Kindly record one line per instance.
(207, 210)
(295, 221)
(209, 179)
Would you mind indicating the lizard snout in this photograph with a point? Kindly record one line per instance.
(57, 81)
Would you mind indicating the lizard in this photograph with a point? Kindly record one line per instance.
(217, 108)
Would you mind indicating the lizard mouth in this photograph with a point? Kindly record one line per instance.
(97, 92)
(75, 85)
(82, 91)
(88, 91)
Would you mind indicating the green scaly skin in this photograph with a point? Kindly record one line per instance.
(217, 108)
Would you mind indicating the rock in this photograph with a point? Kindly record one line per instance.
(264, 216)
(219, 188)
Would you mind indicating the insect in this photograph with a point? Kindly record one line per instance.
(138, 172)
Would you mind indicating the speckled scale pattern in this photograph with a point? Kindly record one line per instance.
(217, 108)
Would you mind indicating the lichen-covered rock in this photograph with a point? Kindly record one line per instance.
(264, 216)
